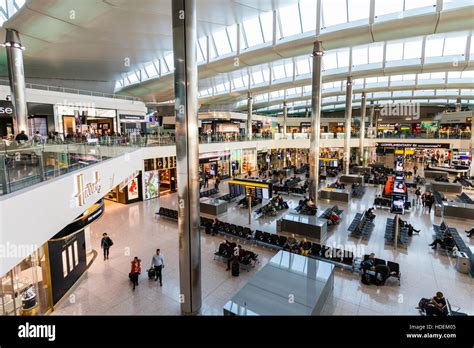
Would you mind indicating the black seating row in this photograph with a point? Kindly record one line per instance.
(327, 213)
(463, 197)
(270, 239)
(168, 213)
(392, 266)
(361, 226)
(327, 253)
(229, 197)
(225, 250)
(301, 170)
(439, 197)
(243, 203)
(442, 230)
(403, 238)
(208, 193)
(358, 191)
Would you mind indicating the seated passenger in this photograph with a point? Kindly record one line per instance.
(470, 233)
(445, 243)
(369, 263)
(437, 305)
(333, 219)
(369, 214)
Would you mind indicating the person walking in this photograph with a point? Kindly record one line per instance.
(418, 194)
(157, 262)
(429, 202)
(217, 182)
(135, 271)
(206, 180)
(105, 244)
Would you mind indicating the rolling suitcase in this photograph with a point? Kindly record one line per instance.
(151, 273)
(235, 268)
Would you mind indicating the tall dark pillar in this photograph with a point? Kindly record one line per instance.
(363, 160)
(347, 127)
(187, 153)
(16, 76)
(249, 116)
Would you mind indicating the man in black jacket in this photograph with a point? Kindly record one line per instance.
(447, 242)
(105, 244)
(21, 136)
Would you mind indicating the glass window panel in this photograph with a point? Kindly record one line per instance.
(330, 61)
(169, 59)
(307, 89)
(360, 56)
(70, 256)
(203, 45)
(267, 26)
(64, 259)
(200, 53)
(434, 47)
(454, 74)
(275, 95)
(76, 254)
(308, 15)
(278, 72)
(467, 74)
(221, 88)
(302, 66)
(423, 92)
(132, 77)
(409, 77)
(425, 76)
(371, 80)
(394, 51)
(232, 34)
(411, 4)
(253, 32)
(456, 3)
(343, 58)
(290, 20)
(289, 69)
(438, 75)
(396, 78)
(266, 74)
(328, 85)
(454, 45)
(412, 49)
(151, 70)
(383, 7)
(257, 77)
(358, 9)
(222, 42)
(238, 82)
(375, 53)
(334, 12)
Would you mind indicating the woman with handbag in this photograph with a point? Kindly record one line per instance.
(135, 271)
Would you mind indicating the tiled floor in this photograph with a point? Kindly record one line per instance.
(136, 231)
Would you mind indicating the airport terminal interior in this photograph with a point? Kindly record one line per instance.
(237, 157)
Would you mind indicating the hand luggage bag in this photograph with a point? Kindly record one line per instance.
(235, 269)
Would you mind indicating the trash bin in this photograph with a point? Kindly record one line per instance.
(463, 263)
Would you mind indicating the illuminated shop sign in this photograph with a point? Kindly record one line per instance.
(86, 190)
(413, 146)
(6, 108)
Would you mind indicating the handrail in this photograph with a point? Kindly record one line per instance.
(72, 91)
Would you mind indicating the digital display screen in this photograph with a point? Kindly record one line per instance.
(398, 187)
(398, 205)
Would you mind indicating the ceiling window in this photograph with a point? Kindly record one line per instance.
(151, 70)
(358, 9)
(434, 46)
(384, 7)
(222, 42)
(334, 12)
(202, 47)
(232, 35)
(253, 31)
(132, 77)
(308, 15)
(267, 26)
(394, 51)
(257, 77)
(330, 61)
(290, 20)
(375, 53)
(303, 66)
(307, 89)
(412, 4)
(278, 72)
(238, 83)
(221, 88)
(454, 45)
(343, 58)
(360, 56)
(169, 60)
(412, 49)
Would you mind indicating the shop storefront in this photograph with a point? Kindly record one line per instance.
(129, 191)
(216, 163)
(7, 113)
(46, 274)
(160, 176)
(133, 124)
(82, 119)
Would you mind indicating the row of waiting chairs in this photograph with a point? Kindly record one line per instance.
(403, 237)
(361, 226)
(270, 239)
(327, 213)
(208, 193)
(442, 230)
(358, 191)
(392, 266)
(168, 213)
(229, 197)
(464, 198)
(249, 258)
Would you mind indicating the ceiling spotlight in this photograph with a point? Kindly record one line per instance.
(318, 53)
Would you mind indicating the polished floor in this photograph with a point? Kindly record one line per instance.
(136, 231)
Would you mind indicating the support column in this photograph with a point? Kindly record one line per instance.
(472, 147)
(371, 118)
(314, 148)
(347, 127)
(16, 76)
(187, 153)
(285, 115)
(458, 104)
(249, 116)
(362, 130)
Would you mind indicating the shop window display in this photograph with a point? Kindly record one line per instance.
(25, 290)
